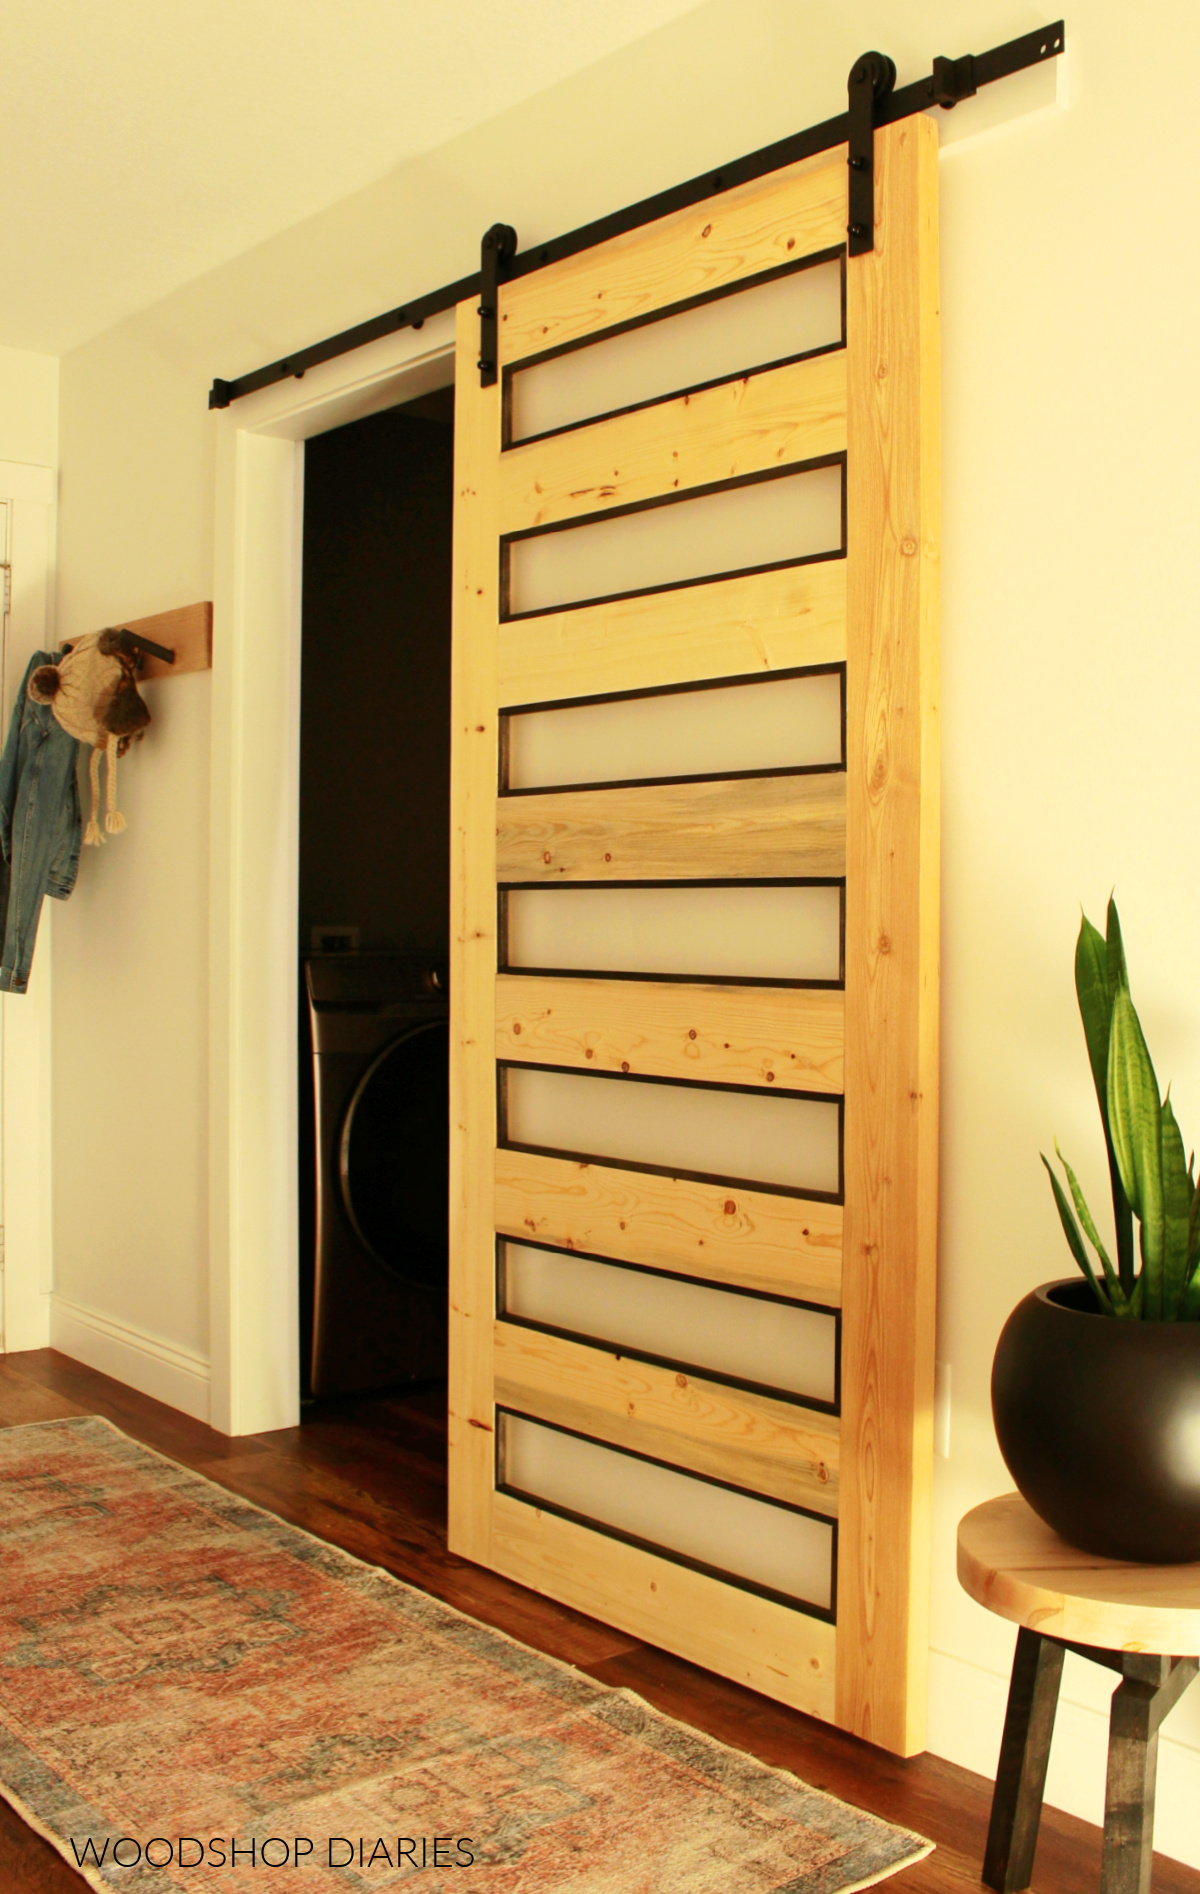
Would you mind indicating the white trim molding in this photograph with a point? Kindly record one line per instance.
(161, 1369)
(254, 948)
(25, 1018)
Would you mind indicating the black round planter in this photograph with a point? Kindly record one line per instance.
(1099, 1424)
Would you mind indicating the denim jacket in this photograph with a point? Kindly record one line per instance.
(40, 827)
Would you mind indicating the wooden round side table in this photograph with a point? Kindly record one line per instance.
(1142, 1621)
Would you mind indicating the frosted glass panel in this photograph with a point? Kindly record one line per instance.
(768, 1140)
(745, 1337)
(776, 725)
(769, 1545)
(768, 323)
(732, 933)
(766, 523)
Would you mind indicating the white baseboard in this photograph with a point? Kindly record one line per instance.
(966, 1716)
(161, 1369)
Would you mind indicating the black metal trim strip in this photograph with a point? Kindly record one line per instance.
(691, 1085)
(735, 680)
(668, 979)
(665, 399)
(504, 1142)
(504, 889)
(792, 469)
(698, 881)
(610, 1163)
(667, 1275)
(672, 1466)
(612, 1345)
(837, 668)
(666, 782)
(620, 1351)
(670, 585)
(813, 260)
(1031, 49)
(792, 1600)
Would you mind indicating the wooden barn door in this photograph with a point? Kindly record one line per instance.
(694, 976)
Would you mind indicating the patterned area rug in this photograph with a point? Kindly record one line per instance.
(191, 1691)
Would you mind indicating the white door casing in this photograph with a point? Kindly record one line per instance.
(254, 950)
(29, 495)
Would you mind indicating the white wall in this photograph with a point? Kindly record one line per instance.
(28, 456)
(28, 407)
(1071, 662)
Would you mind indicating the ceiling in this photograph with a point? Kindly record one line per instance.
(142, 144)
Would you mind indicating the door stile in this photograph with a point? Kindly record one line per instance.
(474, 770)
(891, 1122)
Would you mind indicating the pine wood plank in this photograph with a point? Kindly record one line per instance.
(891, 951)
(473, 766)
(747, 826)
(1017, 1567)
(795, 212)
(752, 425)
(750, 1440)
(733, 1035)
(753, 1640)
(748, 1238)
(760, 621)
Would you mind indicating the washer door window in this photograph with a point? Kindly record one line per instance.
(394, 1157)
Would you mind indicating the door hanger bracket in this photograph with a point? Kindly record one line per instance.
(952, 81)
(499, 244)
(871, 79)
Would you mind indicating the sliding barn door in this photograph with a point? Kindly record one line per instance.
(694, 983)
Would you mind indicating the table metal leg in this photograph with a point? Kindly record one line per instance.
(1024, 1755)
(1151, 1687)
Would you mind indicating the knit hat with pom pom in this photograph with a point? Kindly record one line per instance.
(94, 696)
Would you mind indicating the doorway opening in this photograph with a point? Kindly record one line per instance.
(374, 900)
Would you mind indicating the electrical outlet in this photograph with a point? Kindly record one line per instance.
(335, 937)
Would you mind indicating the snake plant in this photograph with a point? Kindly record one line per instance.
(1151, 1178)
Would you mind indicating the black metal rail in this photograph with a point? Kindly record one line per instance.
(951, 81)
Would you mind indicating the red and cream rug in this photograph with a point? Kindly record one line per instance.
(193, 1693)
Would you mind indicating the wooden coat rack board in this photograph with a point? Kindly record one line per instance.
(187, 632)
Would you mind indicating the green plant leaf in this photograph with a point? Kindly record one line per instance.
(1095, 1010)
(1193, 1248)
(1116, 972)
(1189, 1308)
(1116, 1294)
(1095, 1007)
(1074, 1240)
(1177, 1205)
(1135, 1120)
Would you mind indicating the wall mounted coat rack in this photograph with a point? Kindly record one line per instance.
(169, 644)
(949, 83)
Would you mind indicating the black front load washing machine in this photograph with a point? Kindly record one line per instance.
(380, 1043)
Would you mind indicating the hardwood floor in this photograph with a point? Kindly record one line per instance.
(371, 1476)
